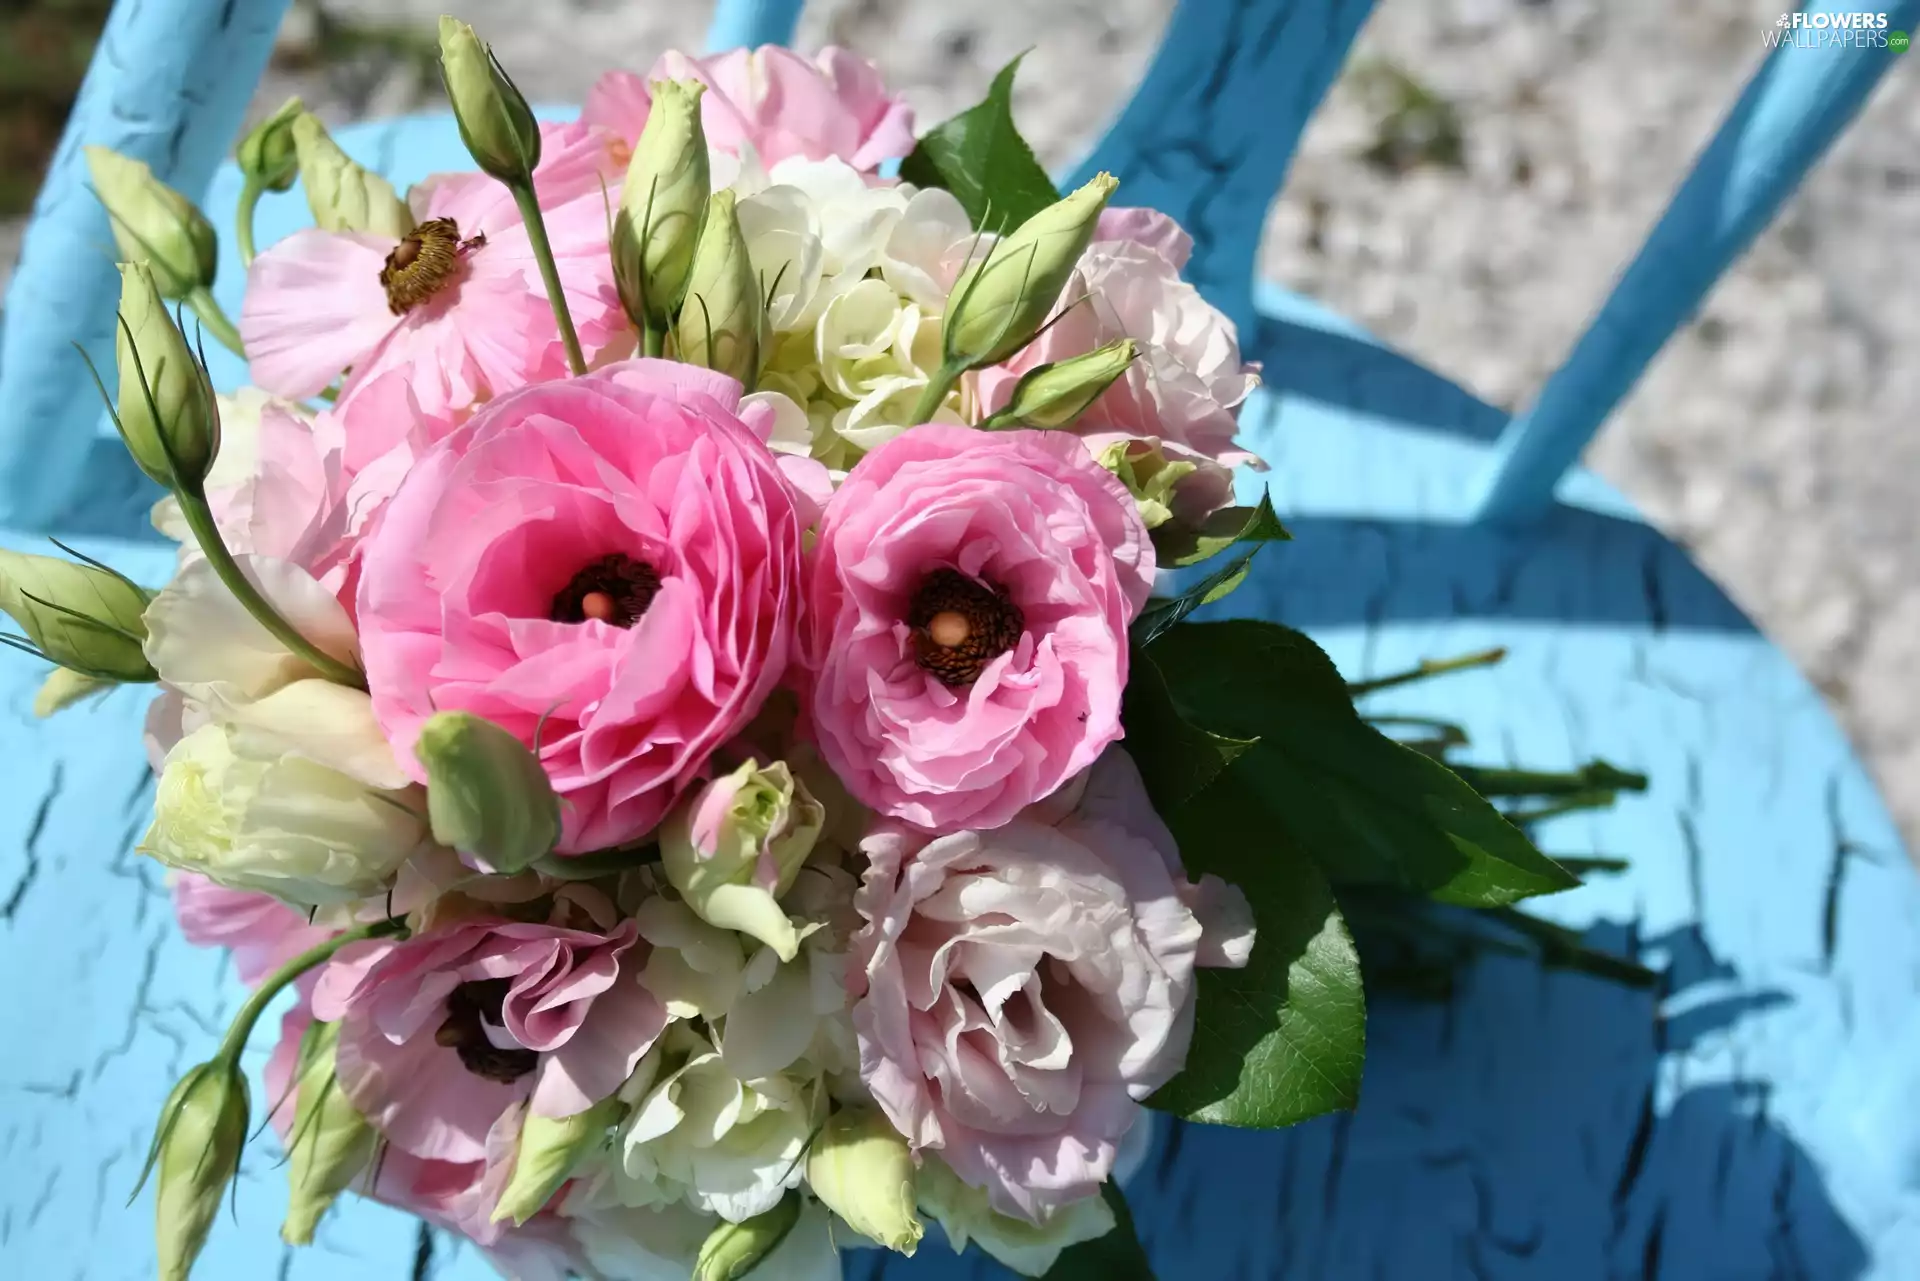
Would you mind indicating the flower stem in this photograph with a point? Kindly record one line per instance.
(653, 342)
(1428, 667)
(250, 193)
(936, 393)
(242, 1026)
(201, 300)
(1595, 776)
(199, 517)
(524, 197)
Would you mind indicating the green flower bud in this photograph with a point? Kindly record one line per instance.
(1054, 395)
(550, 1150)
(486, 792)
(662, 206)
(63, 688)
(267, 156)
(999, 304)
(721, 321)
(495, 121)
(1031, 1249)
(860, 1167)
(167, 414)
(84, 618)
(734, 1249)
(736, 845)
(1149, 475)
(196, 1149)
(342, 195)
(330, 1143)
(154, 224)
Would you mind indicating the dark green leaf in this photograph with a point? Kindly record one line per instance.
(1368, 810)
(1176, 544)
(1177, 759)
(1284, 1038)
(1117, 1256)
(1254, 527)
(981, 158)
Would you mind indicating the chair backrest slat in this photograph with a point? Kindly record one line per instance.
(752, 23)
(1211, 131)
(1795, 107)
(168, 84)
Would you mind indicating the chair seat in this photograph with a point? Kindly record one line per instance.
(1752, 1120)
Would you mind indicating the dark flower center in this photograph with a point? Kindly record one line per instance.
(614, 589)
(959, 626)
(470, 1008)
(421, 265)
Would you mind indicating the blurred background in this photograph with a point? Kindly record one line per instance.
(1479, 175)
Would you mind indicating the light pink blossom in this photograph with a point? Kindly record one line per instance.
(481, 325)
(1041, 556)
(609, 562)
(775, 102)
(1019, 990)
(259, 930)
(443, 1033)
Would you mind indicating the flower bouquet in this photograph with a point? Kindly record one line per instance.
(680, 681)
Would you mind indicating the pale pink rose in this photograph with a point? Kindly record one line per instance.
(315, 303)
(1020, 990)
(1038, 554)
(774, 101)
(1183, 392)
(442, 1033)
(609, 562)
(259, 930)
(457, 1196)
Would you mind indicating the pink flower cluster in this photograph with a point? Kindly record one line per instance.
(629, 571)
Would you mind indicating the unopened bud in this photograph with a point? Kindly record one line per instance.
(166, 410)
(550, 1149)
(267, 156)
(196, 1151)
(662, 205)
(1054, 395)
(486, 792)
(495, 122)
(154, 224)
(83, 618)
(1149, 475)
(999, 304)
(734, 846)
(64, 687)
(734, 1249)
(343, 195)
(330, 1143)
(860, 1167)
(721, 318)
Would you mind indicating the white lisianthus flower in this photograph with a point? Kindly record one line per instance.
(282, 825)
(966, 1214)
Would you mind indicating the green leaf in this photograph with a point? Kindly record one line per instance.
(1117, 1256)
(1177, 758)
(1284, 1038)
(1368, 810)
(981, 158)
(1177, 544)
(1256, 527)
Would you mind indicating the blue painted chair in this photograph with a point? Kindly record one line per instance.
(1753, 1118)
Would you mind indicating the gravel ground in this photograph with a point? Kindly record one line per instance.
(1774, 436)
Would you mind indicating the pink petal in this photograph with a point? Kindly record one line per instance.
(314, 307)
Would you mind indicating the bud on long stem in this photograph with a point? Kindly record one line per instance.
(166, 412)
(268, 161)
(86, 618)
(662, 209)
(342, 195)
(330, 1142)
(720, 320)
(1054, 395)
(154, 224)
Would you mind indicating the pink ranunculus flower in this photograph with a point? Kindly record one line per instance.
(610, 564)
(457, 1196)
(773, 101)
(1019, 990)
(1183, 393)
(464, 312)
(968, 602)
(259, 930)
(444, 1032)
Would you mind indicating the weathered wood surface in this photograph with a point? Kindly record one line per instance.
(1754, 1121)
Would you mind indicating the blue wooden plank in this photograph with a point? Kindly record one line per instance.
(167, 85)
(1752, 1120)
(752, 23)
(1797, 104)
(1210, 133)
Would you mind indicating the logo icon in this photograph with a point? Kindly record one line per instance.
(1897, 41)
